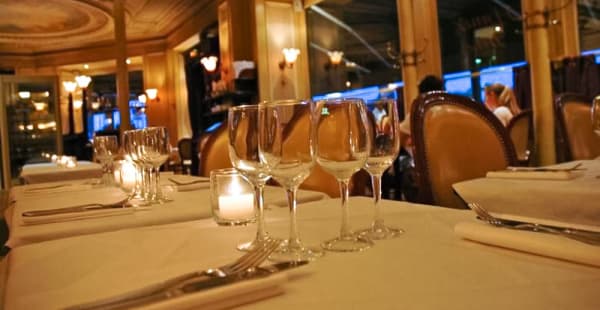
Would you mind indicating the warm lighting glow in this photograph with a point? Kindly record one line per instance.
(86, 66)
(335, 57)
(70, 86)
(348, 84)
(209, 63)
(95, 105)
(290, 55)
(24, 95)
(497, 28)
(46, 94)
(40, 106)
(77, 104)
(142, 98)
(128, 61)
(29, 127)
(152, 93)
(83, 81)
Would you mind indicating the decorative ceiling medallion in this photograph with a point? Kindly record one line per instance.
(35, 22)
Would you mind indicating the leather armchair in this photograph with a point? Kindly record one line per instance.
(574, 113)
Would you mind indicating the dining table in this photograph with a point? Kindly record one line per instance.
(52, 172)
(187, 202)
(434, 264)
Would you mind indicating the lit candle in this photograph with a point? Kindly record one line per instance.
(128, 175)
(71, 162)
(235, 204)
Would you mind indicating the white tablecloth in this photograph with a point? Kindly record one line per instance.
(186, 206)
(555, 201)
(50, 172)
(429, 267)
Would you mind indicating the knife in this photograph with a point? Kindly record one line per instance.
(176, 182)
(80, 208)
(186, 284)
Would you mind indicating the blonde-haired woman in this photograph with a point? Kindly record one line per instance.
(501, 100)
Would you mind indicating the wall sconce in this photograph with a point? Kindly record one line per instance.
(152, 94)
(209, 63)
(70, 86)
(290, 55)
(24, 95)
(39, 106)
(77, 104)
(335, 57)
(83, 81)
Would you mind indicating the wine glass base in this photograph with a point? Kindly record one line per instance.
(381, 233)
(351, 243)
(287, 253)
(249, 246)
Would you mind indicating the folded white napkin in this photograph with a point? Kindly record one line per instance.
(64, 217)
(227, 296)
(185, 182)
(531, 242)
(536, 175)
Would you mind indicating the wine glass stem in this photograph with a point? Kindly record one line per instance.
(261, 234)
(376, 180)
(294, 240)
(345, 230)
(157, 190)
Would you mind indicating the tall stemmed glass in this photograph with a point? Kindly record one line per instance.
(596, 115)
(385, 145)
(342, 146)
(286, 147)
(155, 152)
(106, 148)
(243, 152)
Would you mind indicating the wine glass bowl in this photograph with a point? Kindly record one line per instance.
(154, 151)
(286, 147)
(106, 148)
(342, 143)
(385, 145)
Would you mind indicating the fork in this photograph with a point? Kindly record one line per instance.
(579, 235)
(170, 288)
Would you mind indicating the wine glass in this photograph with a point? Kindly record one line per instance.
(342, 144)
(385, 145)
(286, 147)
(106, 148)
(243, 153)
(132, 140)
(155, 150)
(596, 115)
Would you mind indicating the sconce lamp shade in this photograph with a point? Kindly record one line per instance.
(70, 86)
(24, 95)
(290, 55)
(335, 57)
(142, 98)
(83, 81)
(209, 63)
(152, 93)
(77, 104)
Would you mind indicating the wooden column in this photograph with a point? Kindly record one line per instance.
(121, 58)
(427, 38)
(536, 36)
(407, 52)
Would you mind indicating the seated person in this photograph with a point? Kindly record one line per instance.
(501, 100)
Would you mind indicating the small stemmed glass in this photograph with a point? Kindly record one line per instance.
(132, 141)
(385, 145)
(243, 129)
(342, 144)
(106, 148)
(286, 147)
(155, 150)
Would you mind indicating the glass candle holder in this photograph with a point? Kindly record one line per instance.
(232, 198)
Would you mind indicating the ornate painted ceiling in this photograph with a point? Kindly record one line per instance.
(37, 26)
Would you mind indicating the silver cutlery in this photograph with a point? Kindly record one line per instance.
(176, 182)
(575, 167)
(246, 267)
(42, 188)
(79, 208)
(588, 237)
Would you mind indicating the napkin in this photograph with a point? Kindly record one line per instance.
(536, 175)
(227, 296)
(538, 243)
(185, 183)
